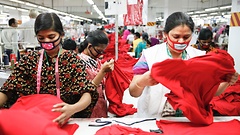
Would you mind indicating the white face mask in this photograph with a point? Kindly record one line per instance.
(180, 47)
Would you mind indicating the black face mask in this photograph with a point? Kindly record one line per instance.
(49, 45)
(98, 53)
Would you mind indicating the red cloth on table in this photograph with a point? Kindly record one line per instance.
(187, 128)
(122, 130)
(32, 115)
(194, 82)
(228, 103)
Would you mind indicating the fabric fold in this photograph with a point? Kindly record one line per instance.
(194, 82)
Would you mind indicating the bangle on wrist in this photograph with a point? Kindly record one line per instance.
(94, 84)
(138, 86)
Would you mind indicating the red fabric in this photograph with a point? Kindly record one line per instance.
(186, 128)
(20, 122)
(41, 104)
(193, 83)
(134, 14)
(32, 114)
(109, 26)
(122, 130)
(228, 103)
(116, 83)
(118, 80)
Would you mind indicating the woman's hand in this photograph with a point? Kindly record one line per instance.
(146, 79)
(108, 66)
(66, 110)
(232, 79)
(139, 82)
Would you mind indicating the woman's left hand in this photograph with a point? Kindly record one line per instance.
(66, 110)
(108, 66)
(232, 79)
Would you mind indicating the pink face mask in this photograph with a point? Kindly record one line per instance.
(179, 47)
(49, 45)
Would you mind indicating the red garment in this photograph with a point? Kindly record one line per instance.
(187, 128)
(32, 115)
(118, 80)
(122, 130)
(228, 103)
(194, 82)
(116, 83)
(134, 14)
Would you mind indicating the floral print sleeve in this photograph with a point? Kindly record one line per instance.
(72, 75)
(76, 81)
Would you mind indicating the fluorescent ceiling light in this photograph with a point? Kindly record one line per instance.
(213, 13)
(18, 1)
(203, 15)
(9, 7)
(199, 12)
(211, 9)
(224, 7)
(30, 4)
(44, 9)
(23, 10)
(90, 2)
(2, 13)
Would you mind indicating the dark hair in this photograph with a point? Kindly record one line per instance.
(69, 44)
(11, 21)
(148, 42)
(95, 38)
(132, 31)
(205, 34)
(48, 21)
(137, 34)
(176, 19)
(145, 36)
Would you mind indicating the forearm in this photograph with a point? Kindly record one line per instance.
(221, 88)
(136, 87)
(98, 78)
(83, 103)
(3, 98)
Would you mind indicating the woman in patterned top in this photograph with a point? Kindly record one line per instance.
(90, 51)
(39, 69)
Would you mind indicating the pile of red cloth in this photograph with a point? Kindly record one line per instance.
(119, 79)
(194, 82)
(32, 115)
(187, 128)
(228, 103)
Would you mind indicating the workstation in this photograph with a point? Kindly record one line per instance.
(37, 70)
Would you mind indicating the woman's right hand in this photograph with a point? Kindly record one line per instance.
(146, 80)
(107, 66)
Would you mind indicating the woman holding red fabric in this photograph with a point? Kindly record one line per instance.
(152, 101)
(90, 51)
(52, 70)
